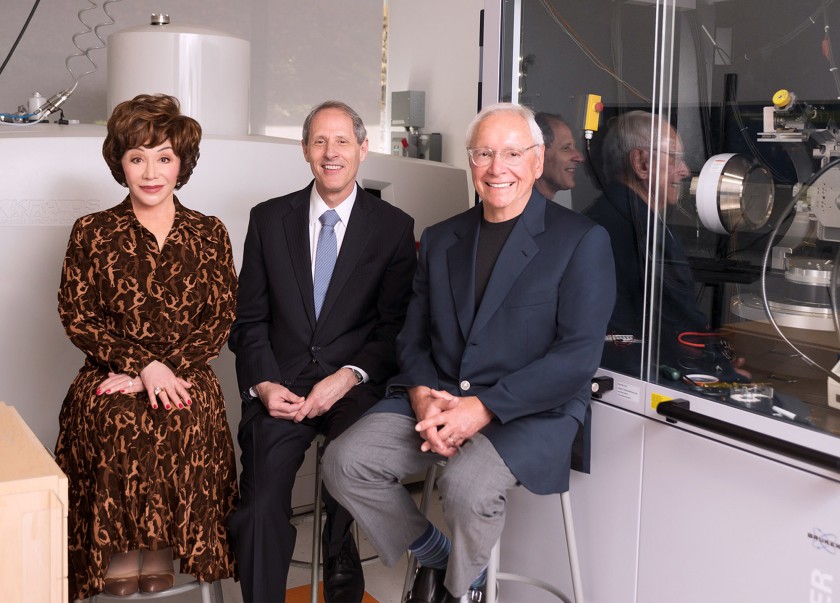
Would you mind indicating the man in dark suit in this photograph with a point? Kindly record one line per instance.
(325, 281)
(503, 334)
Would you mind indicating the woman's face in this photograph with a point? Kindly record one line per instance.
(151, 174)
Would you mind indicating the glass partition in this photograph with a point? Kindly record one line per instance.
(708, 130)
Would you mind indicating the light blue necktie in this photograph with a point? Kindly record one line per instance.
(324, 257)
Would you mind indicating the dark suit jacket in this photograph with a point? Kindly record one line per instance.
(530, 349)
(275, 336)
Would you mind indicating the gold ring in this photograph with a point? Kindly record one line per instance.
(158, 390)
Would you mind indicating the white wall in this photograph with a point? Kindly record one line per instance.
(301, 53)
(433, 47)
(38, 64)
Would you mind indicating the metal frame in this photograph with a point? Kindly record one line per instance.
(204, 587)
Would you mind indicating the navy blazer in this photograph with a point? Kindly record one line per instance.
(531, 348)
(276, 337)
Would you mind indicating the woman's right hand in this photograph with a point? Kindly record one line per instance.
(120, 382)
(165, 386)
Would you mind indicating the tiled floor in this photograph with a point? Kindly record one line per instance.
(383, 583)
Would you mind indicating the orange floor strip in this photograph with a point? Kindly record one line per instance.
(301, 595)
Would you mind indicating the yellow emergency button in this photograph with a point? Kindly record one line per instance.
(781, 99)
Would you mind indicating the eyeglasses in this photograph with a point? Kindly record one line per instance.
(677, 156)
(482, 157)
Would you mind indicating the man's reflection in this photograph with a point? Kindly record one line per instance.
(562, 157)
(643, 163)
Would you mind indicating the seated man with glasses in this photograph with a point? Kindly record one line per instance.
(643, 160)
(503, 334)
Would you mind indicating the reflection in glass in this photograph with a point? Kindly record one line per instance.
(749, 299)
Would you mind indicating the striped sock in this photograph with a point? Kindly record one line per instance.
(432, 548)
(481, 580)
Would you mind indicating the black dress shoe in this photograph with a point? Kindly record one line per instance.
(473, 595)
(428, 586)
(344, 581)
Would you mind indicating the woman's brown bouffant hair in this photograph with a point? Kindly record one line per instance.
(146, 121)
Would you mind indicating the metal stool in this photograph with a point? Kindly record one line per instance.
(178, 589)
(317, 519)
(493, 574)
(317, 512)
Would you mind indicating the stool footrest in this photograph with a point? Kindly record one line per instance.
(178, 589)
(533, 582)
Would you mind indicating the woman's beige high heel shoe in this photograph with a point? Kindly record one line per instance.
(122, 577)
(157, 573)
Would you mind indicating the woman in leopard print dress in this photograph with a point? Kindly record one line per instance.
(148, 293)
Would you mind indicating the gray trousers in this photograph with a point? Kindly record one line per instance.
(363, 468)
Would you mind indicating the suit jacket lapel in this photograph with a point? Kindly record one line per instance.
(516, 254)
(296, 227)
(461, 264)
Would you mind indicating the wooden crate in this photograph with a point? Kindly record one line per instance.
(33, 516)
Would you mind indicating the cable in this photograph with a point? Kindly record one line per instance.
(588, 51)
(684, 338)
(829, 54)
(20, 35)
(615, 51)
(725, 57)
(765, 50)
(813, 179)
(95, 31)
(592, 165)
(831, 295)
(703, 83)
(56, 100)
(16, 116)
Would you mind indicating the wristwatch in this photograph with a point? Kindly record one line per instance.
(359, 377)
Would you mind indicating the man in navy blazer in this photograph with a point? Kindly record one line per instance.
(310, 358)
(503, 334)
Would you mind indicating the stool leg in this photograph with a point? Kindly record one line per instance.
(571, 543)
(316, 528)
(217, 592)
(425, 497)
(492, 569)
(205, 592)
(409, 576)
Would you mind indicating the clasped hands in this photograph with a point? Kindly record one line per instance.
(157, 380)
(446, 421)
(281, 403)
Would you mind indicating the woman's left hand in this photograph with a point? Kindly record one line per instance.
(120, 383)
